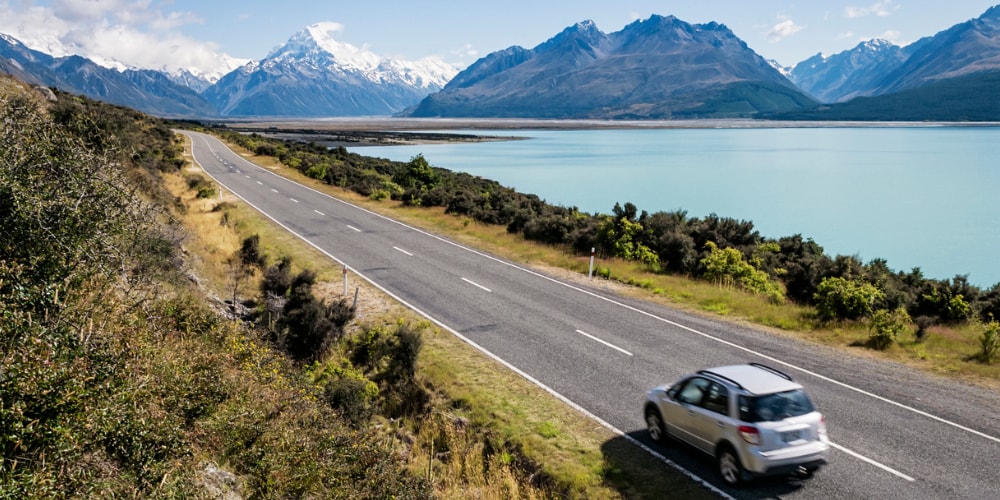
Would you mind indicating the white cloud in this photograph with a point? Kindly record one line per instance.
(782, 30)
(466, 50)
(846, 35)
(114, 33)
(91, 10)
(882, 8)
(892, 36)
(463, 56)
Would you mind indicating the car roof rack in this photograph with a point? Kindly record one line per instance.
(723, 377)
(772, 370)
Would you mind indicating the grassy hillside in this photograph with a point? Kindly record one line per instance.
(119, 378)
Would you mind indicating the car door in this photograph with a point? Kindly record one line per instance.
(710, 419)
(686, 398)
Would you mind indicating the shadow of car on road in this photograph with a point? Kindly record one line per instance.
(681, 471)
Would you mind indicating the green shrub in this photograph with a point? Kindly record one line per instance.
(352, 395)
(989, 342)
(886, 326)
(840, 298)
(204, 187)
(309, 326)
(727, 267)
(389, 358)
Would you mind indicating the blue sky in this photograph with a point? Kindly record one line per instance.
(198, 33)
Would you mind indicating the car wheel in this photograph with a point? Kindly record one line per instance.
(730, 467)
(654, 424)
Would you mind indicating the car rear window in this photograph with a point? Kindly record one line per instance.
(774, 407)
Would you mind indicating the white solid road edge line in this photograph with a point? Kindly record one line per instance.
(591, 337)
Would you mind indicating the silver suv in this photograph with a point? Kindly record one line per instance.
(752, 418)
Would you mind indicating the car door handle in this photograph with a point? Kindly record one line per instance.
(720, 423)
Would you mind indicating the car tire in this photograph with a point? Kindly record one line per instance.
(730, 468)
(654, 425)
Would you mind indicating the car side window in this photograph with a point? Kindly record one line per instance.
(717, 399)
(693, 391)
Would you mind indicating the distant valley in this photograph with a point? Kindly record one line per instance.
(658, 68)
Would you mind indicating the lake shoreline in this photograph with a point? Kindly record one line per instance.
(389, 131)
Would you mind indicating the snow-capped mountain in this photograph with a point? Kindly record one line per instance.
(147, 90)
(313, 74)
(848, 74)
(190, 79)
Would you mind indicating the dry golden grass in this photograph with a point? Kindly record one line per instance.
(208, 248)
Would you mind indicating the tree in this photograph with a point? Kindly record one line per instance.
(621, 236)
(840, 298)
(672, 241)
(242, 266)
(417, 174)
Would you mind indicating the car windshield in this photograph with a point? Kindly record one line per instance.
(774, 407)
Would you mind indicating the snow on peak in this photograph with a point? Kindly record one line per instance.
(9, 39)
(345, 53)
(877, 44)
(317, 46)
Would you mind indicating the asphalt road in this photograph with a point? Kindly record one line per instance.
(897, 433)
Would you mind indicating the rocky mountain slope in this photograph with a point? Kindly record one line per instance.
(877, 67)
(660, 67)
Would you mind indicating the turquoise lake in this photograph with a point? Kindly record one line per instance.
(923, 196)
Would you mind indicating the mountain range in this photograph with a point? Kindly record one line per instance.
(877, 67)
(657, 68)
(660, 67)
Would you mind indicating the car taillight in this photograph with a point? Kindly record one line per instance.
(750, 434)
(822, 425)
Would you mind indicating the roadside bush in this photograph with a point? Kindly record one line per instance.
(278, 278)
(886, 326)
(202, 186)
(389, 358)
(727, 267)
(950, 302)
(989, 342)
(251, 254)
(352, 395)
(923, 323)
(840, 298)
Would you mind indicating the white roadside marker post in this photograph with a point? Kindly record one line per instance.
(590, 274)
